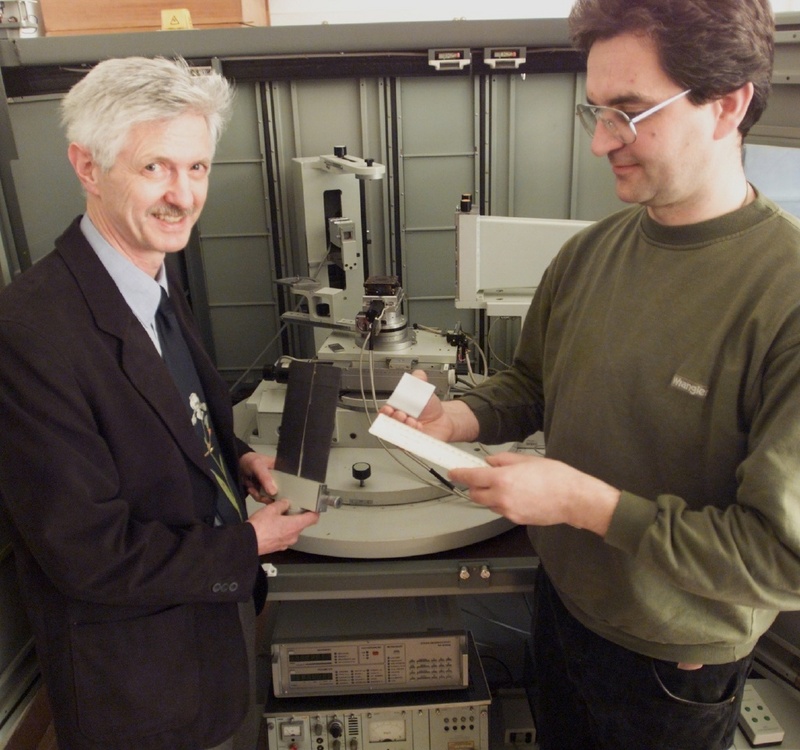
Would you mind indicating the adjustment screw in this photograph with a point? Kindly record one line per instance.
(361, 471)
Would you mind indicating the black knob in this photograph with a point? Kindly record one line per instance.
(340, 151)
(361, 471)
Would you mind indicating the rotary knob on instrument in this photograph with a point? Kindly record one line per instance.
(361, 471)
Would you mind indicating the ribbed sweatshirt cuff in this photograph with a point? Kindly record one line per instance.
(632, 518)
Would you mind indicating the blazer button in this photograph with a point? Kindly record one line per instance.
(216, 588)
(234, 586)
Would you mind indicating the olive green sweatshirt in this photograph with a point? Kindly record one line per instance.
(666, 361)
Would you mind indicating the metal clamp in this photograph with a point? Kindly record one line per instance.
(305, 494)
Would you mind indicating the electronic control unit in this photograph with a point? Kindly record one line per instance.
(367, 646)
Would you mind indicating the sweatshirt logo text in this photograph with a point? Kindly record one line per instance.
(687, 386)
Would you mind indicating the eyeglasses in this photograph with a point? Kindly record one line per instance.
(620, 125)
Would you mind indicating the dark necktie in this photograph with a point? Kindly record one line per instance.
(179, 361)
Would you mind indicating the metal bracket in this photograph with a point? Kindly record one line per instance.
(304, 494)
(449, 59)
(503, 58)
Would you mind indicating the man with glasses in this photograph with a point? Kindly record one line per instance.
(617, 122)
(661, 357)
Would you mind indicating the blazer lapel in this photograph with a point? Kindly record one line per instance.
(215, 388)
(139, 359)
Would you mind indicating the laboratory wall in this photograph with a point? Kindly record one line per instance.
(508, 139)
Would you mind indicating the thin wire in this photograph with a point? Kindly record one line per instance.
(495, 684)
(365, 402)
(473, 342)
(499, 623)
(281, 329)
(489, 342)
(470, 371)
(367, 339)
(361, 378)
(261, 354)
(374, 397)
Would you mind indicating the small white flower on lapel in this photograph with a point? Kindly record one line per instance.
(200, 416)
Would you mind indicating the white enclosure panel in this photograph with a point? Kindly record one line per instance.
(534, 132)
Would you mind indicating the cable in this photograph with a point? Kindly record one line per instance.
(480, 351)
(260, 355)
(497, 622)
(489, 341)
(367, 347)
(282, 328)
(482, 354)
(471, 341)
(510, 682)
(374, 398)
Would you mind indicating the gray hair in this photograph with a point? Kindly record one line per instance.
(100, 110)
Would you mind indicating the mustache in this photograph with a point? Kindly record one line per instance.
(167, 210)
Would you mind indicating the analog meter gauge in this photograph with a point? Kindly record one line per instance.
(387, 729)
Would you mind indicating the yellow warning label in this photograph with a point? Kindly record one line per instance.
(174, 19)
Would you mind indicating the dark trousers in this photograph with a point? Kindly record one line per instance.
(589, 694)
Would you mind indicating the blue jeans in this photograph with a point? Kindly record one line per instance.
(587, 693)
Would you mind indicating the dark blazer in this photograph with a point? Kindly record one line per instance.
(131, 592)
